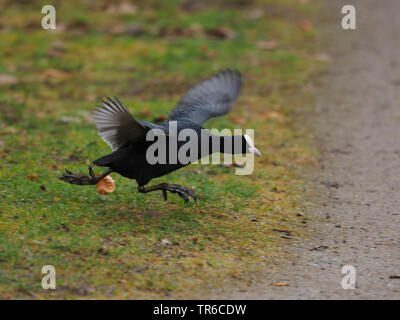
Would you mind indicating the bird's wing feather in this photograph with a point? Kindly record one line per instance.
(116, 125)
(212, 97)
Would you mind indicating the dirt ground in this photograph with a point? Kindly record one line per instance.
(357, 210)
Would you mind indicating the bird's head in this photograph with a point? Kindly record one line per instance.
(250, 148)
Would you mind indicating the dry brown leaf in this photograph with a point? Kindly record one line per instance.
(209, 53)
(204, 48)
(195, 239)
(238, 120)
(271, 114)
(90, 97)
(145, 112)
(160, 118)
(267, 45)
(305, 25)
(32, 177)
(281, 284)
(54, 74)
(105, 185)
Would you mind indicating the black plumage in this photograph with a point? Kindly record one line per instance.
(127, 136)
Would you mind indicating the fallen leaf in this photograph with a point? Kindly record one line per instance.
(267, 45)
(209, 53)
(90, 97)
(204, 48)
(305, 25)
(195, 239)
(281, 284)
(54, 74)
(145, 112)
(105, 185)
(238, 120)
(160, 118)
(32, 177)
(271, 115)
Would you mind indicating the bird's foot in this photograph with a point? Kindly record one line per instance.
(183, 192)
(82, 180)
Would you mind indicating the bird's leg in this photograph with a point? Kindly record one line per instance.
(82, 180)
(183, 192)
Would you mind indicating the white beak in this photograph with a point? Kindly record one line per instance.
(255, 151)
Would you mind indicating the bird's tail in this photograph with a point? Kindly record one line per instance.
(108, 160)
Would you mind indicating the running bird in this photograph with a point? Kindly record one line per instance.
(126, 136)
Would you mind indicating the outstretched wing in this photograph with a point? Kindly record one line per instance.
(212, 97)
(116, 125)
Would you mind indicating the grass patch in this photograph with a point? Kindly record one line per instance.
(113, 246)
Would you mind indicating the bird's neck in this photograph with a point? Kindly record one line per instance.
(232, 144)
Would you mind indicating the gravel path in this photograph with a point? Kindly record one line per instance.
(358, 124)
